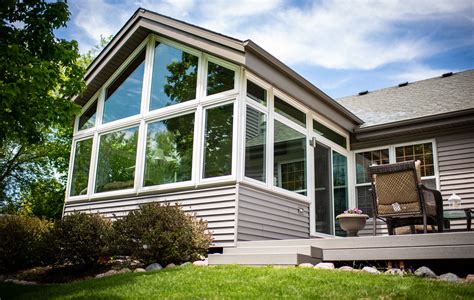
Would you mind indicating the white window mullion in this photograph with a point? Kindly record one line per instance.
(140, 157)
(270, 140)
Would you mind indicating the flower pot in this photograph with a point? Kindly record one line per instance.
(352, 223)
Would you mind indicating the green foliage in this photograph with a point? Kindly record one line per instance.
(86, 59)
(81, 238)
(44, 198)
(161, 233)
(23, 242)
(40, 75)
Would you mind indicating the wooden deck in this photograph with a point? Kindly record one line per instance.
(434, 246)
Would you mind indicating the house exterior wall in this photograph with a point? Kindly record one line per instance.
(215, 205)
(262, 215)
(456, 169)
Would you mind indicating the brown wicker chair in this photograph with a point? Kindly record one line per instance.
(400, 199)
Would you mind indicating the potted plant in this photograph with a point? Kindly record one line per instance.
(352, 220)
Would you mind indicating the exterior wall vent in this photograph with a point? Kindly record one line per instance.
(363, 93)
(403, 84)
(447, 74)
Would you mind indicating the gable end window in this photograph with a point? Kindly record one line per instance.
(123, 96)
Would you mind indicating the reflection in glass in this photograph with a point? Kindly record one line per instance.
(169, 150)
(218, 141)
(290, 112)
(219, 79)
(255, 144)
(339, 171)
(80, 171)
(365, 159)
(174, 77)
(116, 161)
(123, 96)
(329, 134)
(256, 93)
(322, 189)
(289, 158)
(87, 119)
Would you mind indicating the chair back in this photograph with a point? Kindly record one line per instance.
(395, 189)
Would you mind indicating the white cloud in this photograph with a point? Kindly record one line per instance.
(361, 35)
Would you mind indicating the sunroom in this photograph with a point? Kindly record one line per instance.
(241, 141)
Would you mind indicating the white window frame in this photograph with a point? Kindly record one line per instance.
(196, 106)
(392, 159)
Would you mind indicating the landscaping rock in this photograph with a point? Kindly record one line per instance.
(20, 282)
(425, 272)
(470, 278)
(395, 272)
(170, 266)
(370, 270)
(139, 270)
(106, 274)
(450, 277)
(324, 265)
(306, 265)
(201, 262)
(154, 267)
(346, 268)
(185, 264)
(124, 270)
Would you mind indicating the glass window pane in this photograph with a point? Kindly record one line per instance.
(218, 141)
(123, 96)
(329, 134)
(256, 93)
(339, 173)
(421, 152)
(290, 112)
(116, 161)
(80, 170)
(174, 77)
(219, 79)
(364, 199)
(289, 158)
(255, 144)
(366, 159)
(87, 119)
(169, 150)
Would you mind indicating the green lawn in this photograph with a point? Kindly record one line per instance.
(244, 282)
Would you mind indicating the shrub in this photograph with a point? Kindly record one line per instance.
(162, 233)
(23, 242)
(81, 238)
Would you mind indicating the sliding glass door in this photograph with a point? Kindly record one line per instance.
(330, 188)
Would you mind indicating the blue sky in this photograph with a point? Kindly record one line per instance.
(342, 47)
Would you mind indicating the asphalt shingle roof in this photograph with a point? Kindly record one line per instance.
(418, 99)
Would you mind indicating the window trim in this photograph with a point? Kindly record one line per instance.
(196, 106)
(392, 159)
(95, 194)
(184, 105)
(253, 105)
(171, 185)
(232, 175)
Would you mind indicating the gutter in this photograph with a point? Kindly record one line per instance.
(459, 113)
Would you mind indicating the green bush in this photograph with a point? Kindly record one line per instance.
(23, 242)
(81, 238)
(161, 233)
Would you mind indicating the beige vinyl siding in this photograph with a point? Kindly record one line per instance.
(456, 169)
(216, 205)
(263, 215)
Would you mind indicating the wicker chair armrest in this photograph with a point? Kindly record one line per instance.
(433, 201)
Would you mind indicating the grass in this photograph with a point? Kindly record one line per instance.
(244, 282)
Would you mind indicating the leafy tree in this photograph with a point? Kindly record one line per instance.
(40, 75)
